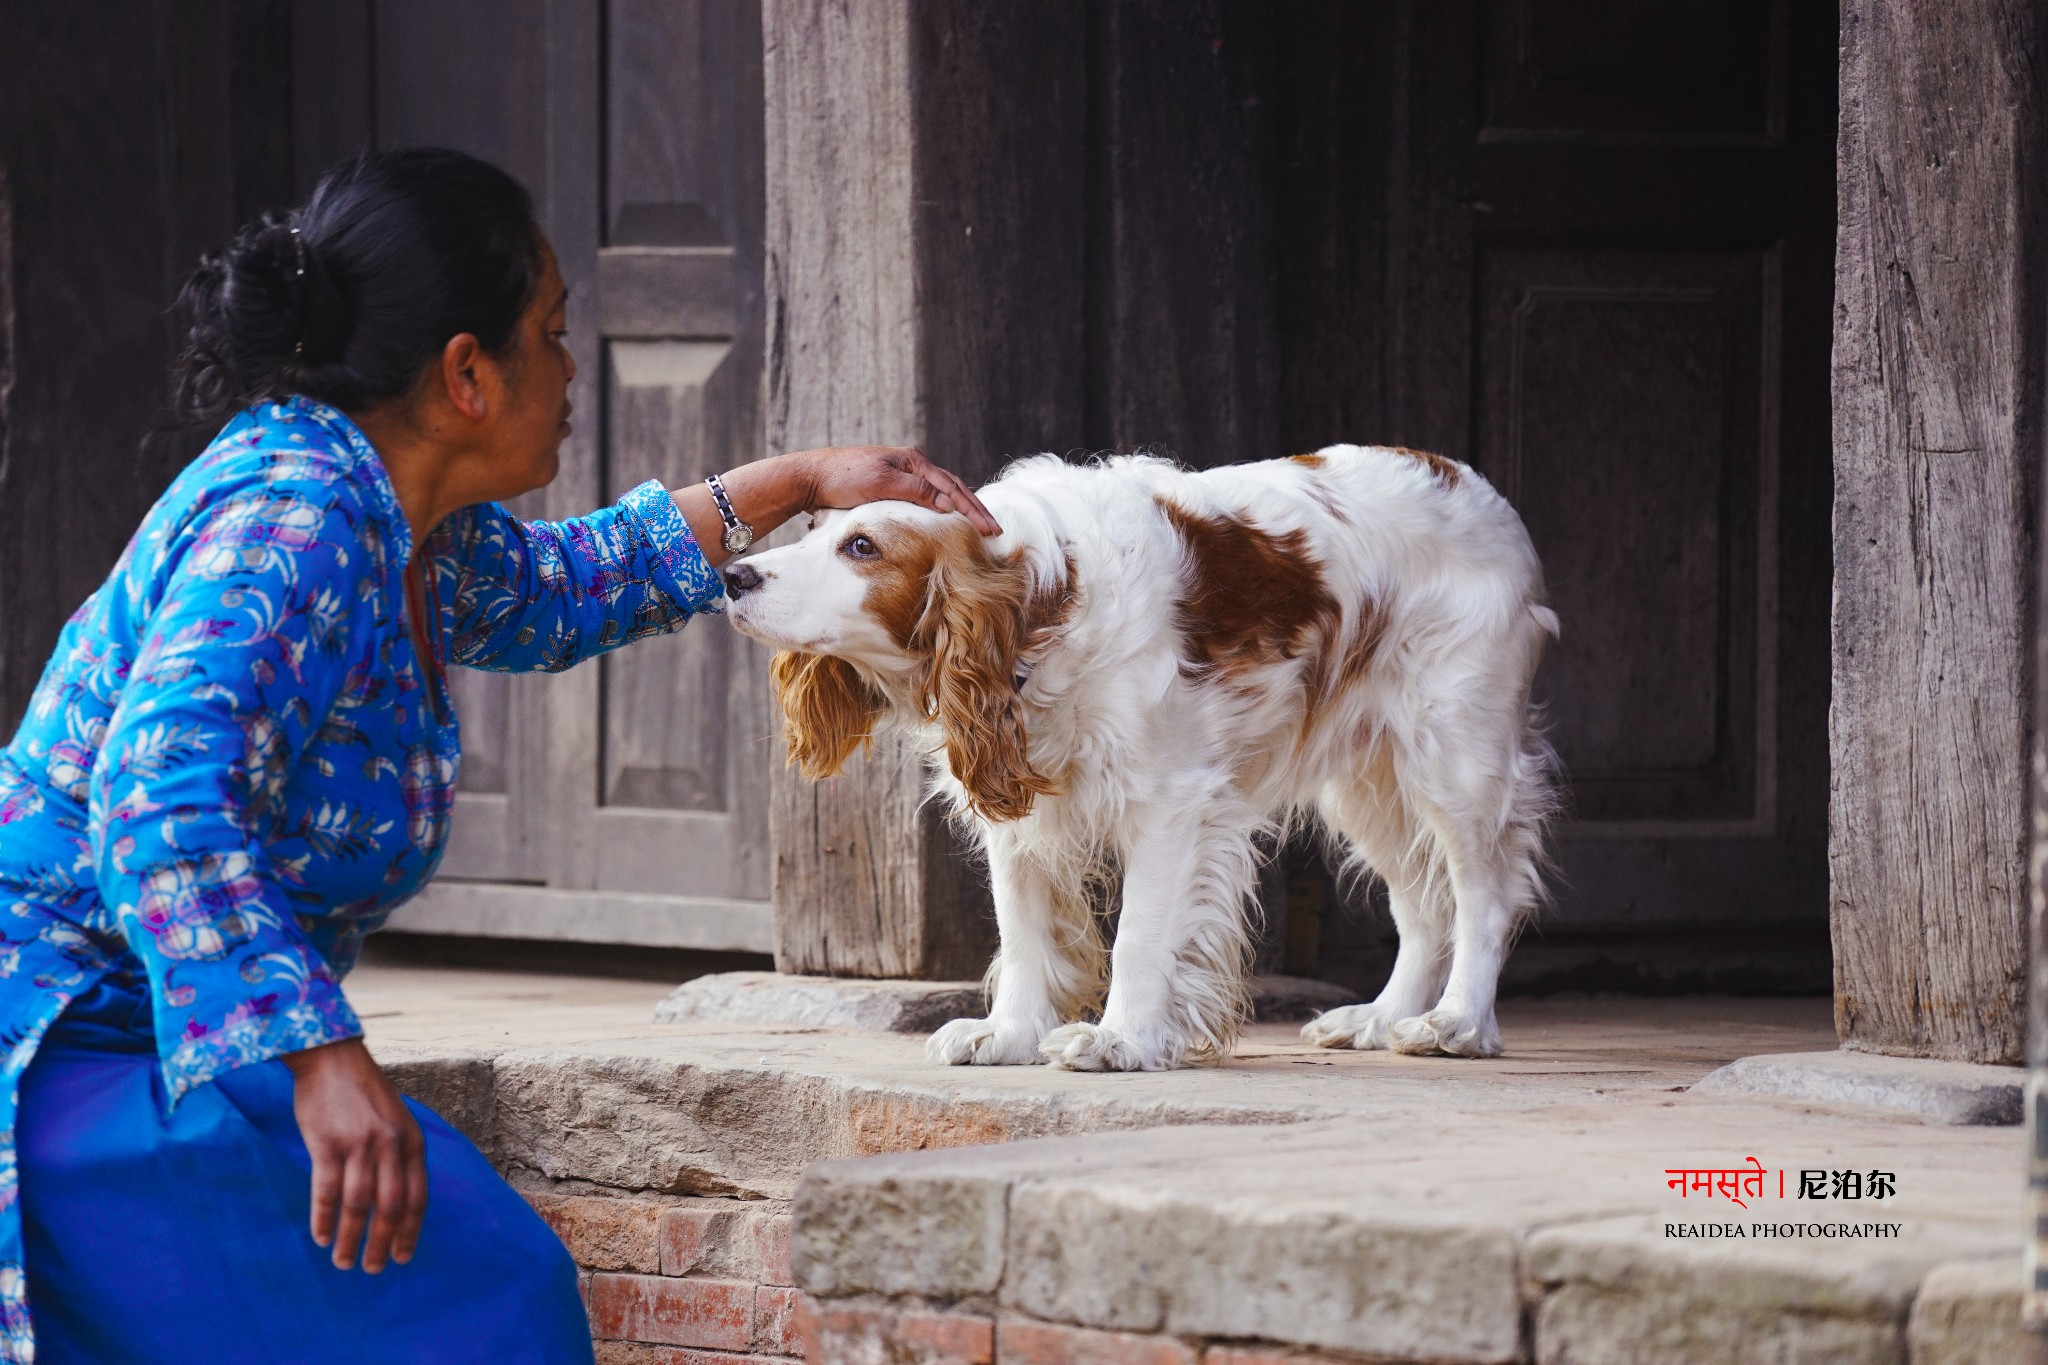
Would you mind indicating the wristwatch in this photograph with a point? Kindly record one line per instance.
(738, 535)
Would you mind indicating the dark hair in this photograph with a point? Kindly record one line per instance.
(347, 298)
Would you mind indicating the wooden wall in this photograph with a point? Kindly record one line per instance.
(133, 136)
(1938, 378)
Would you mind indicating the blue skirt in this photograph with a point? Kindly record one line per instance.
(167, 1240)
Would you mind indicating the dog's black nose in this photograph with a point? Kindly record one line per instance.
(741, 578)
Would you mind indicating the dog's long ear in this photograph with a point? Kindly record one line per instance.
(828, 710)
(974, 626)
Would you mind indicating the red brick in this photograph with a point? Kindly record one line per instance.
(856, 1329)
(1020, 1342)
(671, 1312)
(638, 1353)
(604, 1234)
(775, 1321)
(683, 1235)
(771, 1244)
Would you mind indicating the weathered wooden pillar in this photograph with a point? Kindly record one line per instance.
(2034, 1304)
(924, 267)
(2034, 1301)
(1937, 413)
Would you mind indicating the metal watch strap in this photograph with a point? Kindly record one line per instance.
(738, 535)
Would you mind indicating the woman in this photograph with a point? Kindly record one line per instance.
(242, 757)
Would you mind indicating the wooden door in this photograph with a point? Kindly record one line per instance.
(1587, 246)
(1615, 269)
(624, 801)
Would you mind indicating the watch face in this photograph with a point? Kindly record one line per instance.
(738, 537)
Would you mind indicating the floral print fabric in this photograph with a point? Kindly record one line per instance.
(237, 764)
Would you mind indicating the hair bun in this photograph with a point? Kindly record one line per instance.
(348, 297)
(281, 301)
(260, 314)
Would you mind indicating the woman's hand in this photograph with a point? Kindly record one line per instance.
(369, 1160)
(769, 492)
(847, 476)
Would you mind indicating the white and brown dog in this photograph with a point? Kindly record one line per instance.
(1150, 668)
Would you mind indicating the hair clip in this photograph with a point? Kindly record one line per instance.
(299, 243)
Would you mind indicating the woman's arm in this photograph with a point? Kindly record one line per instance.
(768, 492)
(544, 596)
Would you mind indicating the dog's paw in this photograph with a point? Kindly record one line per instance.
(1361, 1026)
(1448, 1033)
(1091, 1047)
(983, 1042)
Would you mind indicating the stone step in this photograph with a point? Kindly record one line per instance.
(1290, 1200)
(1962, 1093)
(1498, 1238)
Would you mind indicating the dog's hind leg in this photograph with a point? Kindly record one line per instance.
(1177, 985)
(1486, 807)
(1049, 965)
(1382, 835)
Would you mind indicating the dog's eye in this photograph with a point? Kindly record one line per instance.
(860, 547)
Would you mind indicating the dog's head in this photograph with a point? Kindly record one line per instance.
(892, 605)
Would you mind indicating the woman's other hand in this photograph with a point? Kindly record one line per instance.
(369, 1160)
(768, 492)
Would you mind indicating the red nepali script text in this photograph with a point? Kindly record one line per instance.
(1730, 1185)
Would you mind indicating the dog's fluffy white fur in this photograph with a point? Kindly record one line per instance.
(1149, 669)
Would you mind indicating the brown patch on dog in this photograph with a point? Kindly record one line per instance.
(899, 583)
(1444, 470)
(1253, 599)
(967, 617)
(1367, 634)
(1249, 598)
(1312, 461)
(1366, 638)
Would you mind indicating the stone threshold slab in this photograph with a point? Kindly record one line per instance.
(1549, 1235)
(568, 1078)
(891, 1006)
(706, 1109)
(1955, 1093)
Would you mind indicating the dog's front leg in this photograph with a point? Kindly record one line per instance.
(1177, 972)
(1034, 971)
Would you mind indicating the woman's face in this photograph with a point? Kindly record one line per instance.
(526, 448)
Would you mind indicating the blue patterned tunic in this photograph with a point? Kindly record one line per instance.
(237, 764)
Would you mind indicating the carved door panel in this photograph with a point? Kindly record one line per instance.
(681, 730)
(1618, 279)
(623, 801)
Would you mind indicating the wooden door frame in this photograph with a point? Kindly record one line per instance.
(924, 271)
